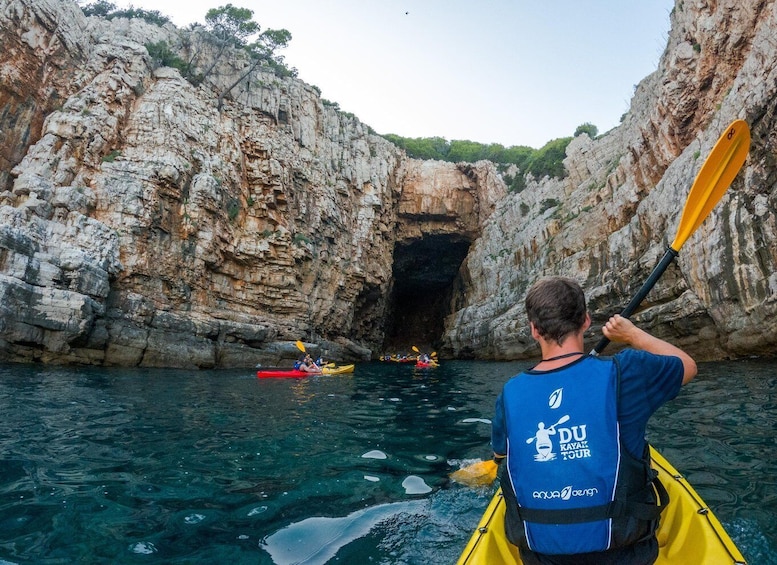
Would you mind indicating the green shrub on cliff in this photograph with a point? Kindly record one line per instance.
(422, 147)
(101, 9)
(587, 128)
(547, 204)
(546, 161)
(233, 208)
(111, 157)
(109, 11)
(549, 160)
(515, 183)
(163, 56)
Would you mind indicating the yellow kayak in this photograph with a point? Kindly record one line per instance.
(688, 532)
(337, 370)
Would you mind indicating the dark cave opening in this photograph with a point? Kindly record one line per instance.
(424, 271)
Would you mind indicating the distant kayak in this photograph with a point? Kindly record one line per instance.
(279, 373)
(688, 530)
(397, 359)
(296, 374)
(429, 365)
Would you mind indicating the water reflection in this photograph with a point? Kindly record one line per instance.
(314, 541)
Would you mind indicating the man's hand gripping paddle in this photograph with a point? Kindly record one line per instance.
(715, 176)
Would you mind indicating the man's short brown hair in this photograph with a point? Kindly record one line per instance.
(556, 307)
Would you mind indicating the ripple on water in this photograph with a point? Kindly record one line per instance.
(749, 535)
(473, 420)
(143, 548)
(314, 541)
(415, 485)
(194, 518)
(257, 510)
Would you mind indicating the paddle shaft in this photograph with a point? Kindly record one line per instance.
(640, 296)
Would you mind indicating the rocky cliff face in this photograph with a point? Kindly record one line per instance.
(142, 224)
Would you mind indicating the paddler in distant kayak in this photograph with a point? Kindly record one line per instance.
(565, 495)
(309, 366)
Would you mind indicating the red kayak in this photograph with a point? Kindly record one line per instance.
(288, 373)
(330, 369)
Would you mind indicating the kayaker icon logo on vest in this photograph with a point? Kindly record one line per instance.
(544, 445)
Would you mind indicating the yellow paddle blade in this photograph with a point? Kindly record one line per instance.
(301, 346)
(434, 354)
(414, 348)
(478, 474)
(714, 178)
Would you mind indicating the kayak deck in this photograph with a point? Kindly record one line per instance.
(688, 532)
(342, 369)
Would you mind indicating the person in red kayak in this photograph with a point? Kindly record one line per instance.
(586, 495)
(309, 366)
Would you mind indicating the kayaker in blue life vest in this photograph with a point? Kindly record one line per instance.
(580, 491)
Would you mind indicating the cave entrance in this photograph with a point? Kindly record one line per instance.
(424, 271)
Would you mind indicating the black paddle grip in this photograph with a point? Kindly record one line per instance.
(640, 296)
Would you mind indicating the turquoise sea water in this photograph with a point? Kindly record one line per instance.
(169, 466)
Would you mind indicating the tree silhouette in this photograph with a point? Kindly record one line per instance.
(232, 27)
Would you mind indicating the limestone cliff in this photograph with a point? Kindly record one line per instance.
(142, 223)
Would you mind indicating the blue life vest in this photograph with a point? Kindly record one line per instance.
(566, 465)
(297, 365)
